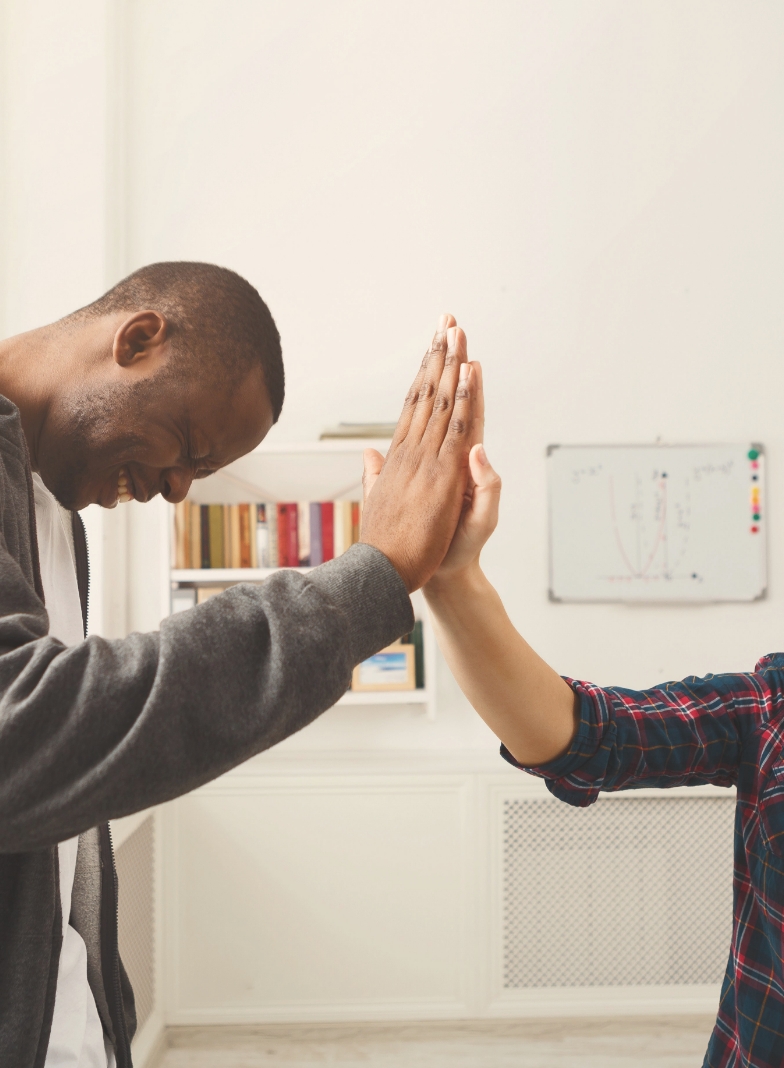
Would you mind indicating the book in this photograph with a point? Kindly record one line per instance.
(203, 593)
(415, 638)
(354, 522)
(194, 518)
(327, 540)
(303, 534)
(262, 536)
(225, 511)
(181, 554)
(243, 535)
(204, 512)
(316, 547)
(216, 534)
(274, 545)
(292, 528)
(254, 549)
(283, 535)
(347, 525)
(338, 529)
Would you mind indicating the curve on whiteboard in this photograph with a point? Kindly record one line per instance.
(657, 540)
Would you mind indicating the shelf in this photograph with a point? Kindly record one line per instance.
(310, 471)
(204, 576)
(386, 697)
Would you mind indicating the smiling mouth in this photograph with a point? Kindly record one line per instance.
(124, 487)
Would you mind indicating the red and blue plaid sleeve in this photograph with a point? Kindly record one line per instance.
(678, 734)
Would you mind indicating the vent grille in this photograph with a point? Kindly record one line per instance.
(136, 920)
(630, 892)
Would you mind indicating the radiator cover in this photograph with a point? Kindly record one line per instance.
(629, 892)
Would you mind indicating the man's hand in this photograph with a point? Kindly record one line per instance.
(414, 498)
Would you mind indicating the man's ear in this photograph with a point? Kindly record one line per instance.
(139, 337)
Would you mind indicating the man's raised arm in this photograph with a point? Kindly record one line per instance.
(104, 728)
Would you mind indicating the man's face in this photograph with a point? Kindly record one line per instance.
(162, 431)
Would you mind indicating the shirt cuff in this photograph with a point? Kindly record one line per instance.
(584, 743)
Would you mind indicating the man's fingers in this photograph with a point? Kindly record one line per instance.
(420, 398)
(461, 422)
(479, 404)
(444, 402)
(373, 462)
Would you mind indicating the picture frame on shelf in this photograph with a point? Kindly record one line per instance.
(391, 670)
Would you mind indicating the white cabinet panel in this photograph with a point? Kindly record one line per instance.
(319, 900)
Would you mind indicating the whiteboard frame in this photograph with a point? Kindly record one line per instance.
(551, 596)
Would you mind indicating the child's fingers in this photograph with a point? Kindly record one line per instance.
(487, 491)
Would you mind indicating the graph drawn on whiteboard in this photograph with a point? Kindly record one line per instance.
(657, 522)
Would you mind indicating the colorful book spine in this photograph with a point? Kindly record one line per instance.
(338, 529)
(225, 512)
(283, 535)
(204, 511)
(232, 528)
(274, 543)
(316, 546)
(355, 514)
(216, 535)
(292, 528)
(347, 525)
(262, 536)
(243, 535)
(195, 540)
(303, 534)
(327, 539)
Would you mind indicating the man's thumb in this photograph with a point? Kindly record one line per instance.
(374, 461)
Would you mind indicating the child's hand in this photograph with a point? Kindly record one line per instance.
(479, 518)
(480, 503)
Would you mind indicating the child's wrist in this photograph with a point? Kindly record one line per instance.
(455, 580)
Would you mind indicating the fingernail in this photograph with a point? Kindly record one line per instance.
(465, 371)
(442, 324)
(451, 336)
(481, 456)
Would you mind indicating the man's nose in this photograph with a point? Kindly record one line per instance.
(175, 484)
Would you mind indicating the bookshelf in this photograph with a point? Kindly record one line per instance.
(311, 471)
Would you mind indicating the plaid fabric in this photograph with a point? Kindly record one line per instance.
(726, 730)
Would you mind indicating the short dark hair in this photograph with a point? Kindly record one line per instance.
(214, 314)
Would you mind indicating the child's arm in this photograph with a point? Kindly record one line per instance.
(523, 701)
(528, 706)
(580, 737)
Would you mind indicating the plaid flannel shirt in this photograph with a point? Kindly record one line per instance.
(727, 730)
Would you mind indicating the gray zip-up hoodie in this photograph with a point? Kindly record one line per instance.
(98, 730)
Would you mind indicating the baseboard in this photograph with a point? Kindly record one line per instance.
(320, 1012)
(150, 1042)
(608, 1001)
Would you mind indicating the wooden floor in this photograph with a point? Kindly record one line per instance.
(648, 1042)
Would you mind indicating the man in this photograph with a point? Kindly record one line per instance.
(174, 373)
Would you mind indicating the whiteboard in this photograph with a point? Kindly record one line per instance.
(657, 522)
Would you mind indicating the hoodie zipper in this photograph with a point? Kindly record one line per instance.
(123, 1043)
(109, 920)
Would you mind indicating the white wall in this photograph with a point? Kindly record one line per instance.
(594, 190)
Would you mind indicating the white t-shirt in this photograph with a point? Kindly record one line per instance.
(77, 1039)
